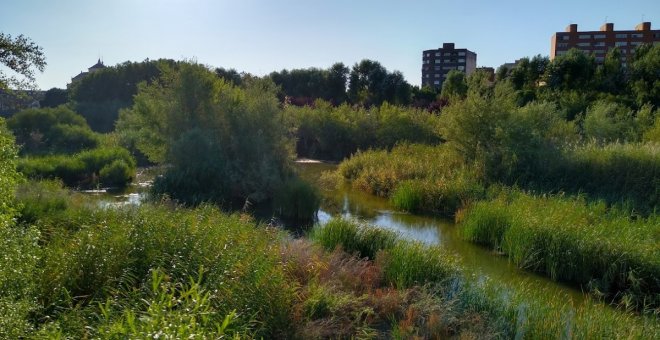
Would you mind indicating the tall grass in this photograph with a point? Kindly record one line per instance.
(512, 312)
(101, 166)
(103, 255)
(569, 239)
(615, 172)
(417, 178)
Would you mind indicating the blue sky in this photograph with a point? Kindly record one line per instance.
(260, 36)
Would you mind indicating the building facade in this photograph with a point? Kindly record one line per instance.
(600, 42)
(437, 63)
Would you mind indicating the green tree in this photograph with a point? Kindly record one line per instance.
(574, 70)
(22, 56)
(223, 143)
(611, 76)
(55, 97)
(645, 75)
(454, 86)
(371, 84)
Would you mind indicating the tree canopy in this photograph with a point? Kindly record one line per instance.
(22, 56)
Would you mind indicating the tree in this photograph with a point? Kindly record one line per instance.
(22, 56)
(223, 143)
(371, 84)
(454, 86)
(611, 76)
(574, 70)
(54, 98)
(645, 75)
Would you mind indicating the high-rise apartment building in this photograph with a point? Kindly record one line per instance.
(437, 63)
(600, 42)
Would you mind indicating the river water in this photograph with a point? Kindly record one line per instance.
(349, 203)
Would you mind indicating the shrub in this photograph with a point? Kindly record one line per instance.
(39, 199)
(52, 130)
(116, 173)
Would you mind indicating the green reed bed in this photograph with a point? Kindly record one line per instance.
(569, 239)
(512, 312)
(615, 172)
(102, 166)
(98, 274)
(417, 178)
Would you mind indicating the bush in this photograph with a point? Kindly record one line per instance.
(353, 237)
(117, 173)
(51, 130)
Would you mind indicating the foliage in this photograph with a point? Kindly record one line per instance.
(100, 95)
(37, 199)
(9, 177)
(370, 83)
(54, 97)
(22, 56)
(328, 132)
(570, 240)
(101, 166)
(51, 130)
(609, 122)
(455, 86)
(644, 75)
(241, 152)
(304, 86)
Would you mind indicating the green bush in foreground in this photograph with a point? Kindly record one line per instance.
(570, 240)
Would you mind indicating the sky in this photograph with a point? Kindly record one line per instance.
(260, 36)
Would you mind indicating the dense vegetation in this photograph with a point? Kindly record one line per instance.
(555, 165)
(561, 127)
(58, 143)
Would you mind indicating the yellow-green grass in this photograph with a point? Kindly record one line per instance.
(600, 248)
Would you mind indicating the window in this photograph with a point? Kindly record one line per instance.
(561, 52)
(437, 54)
(599, 51)
(437, 68)
(461, 68)
(599, 36)
(621, 36)
(437, 61)
(585, 36)
(564, 37)
(637, 35)
(636, 43)
(447, 60)
(426, 75)
(461, 53)
(461, 60)
(583, 44)
(436, 82)
(448, 67)
(447, 54)
(437, 75)
(621, 43)
(562, 45)
(600, 43)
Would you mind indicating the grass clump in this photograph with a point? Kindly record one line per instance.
(571, 240)
(297, 200)
(354, 238)
(101, 166)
